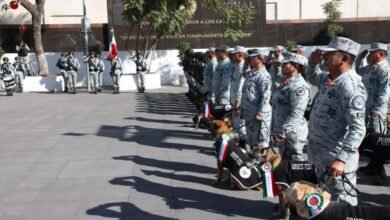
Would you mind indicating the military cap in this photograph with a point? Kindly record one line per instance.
(239, 49)
(298, 47)
(378, 46)
(223, 47)
(278, 47)
(258, 52)
(293, 57)
(211, 49)
(343, 44)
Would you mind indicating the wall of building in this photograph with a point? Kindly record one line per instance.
(59, 12)
(312, 9)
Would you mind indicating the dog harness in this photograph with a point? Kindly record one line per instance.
(235, 159)
(290, 171)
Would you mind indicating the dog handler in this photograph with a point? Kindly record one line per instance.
(336, 127)
(289, 103)
(256, 109)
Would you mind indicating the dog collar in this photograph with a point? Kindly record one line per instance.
(313, 203)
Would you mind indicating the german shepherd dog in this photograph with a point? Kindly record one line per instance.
(311, 202)
(282, 175)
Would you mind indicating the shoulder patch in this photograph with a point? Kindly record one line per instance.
(358, 102)
(300, 91)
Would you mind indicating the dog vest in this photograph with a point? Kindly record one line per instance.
(343, 211)
(288, 172)
(234, 159)
(377, 145)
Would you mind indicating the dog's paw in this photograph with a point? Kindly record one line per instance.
(279, 216)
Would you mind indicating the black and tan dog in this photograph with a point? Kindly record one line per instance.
(311, 202)
(242, 166)
(377, 148)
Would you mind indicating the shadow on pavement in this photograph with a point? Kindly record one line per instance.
(168, 165)
(127, 211)
(151, 136)
(181, 198)
(161, 121)
(164, 104)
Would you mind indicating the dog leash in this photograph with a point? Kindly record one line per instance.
(344, 181)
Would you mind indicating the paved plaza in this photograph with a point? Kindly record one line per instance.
(127, 156)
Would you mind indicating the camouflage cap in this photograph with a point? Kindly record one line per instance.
(298, 47)
(378, 46)
(278, 47)
(211, 49)
(238, 49)
(343, 44)
(223, 47)
(293, 57)
(259, 52)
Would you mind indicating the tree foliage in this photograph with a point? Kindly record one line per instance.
(333, 15)
(1, 52)
(154, 19)
(290, 44)
(235, 17)
(182, 48)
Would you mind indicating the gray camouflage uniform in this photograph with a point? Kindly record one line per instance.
(236, 86)
(289, 105)
(256, 95)
(377, 84)
(336, 127)
(72, 66)
(100, 73)
(116, 72)
(208, 75)
(224, 71)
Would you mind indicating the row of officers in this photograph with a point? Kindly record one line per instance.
(69, 66)
(353, 94)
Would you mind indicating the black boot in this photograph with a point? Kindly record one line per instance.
(66, 89)
(114, 92)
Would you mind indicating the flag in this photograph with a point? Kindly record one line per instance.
(113, 51)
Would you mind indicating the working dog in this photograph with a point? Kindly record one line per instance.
(219, 112)
(282, 169)
(285, 173)
(311, 202)
(377, 147)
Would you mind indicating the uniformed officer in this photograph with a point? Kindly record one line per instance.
(22, 49)
(376, 79)
(100, 73)
(337, 127)
(93, 65)
(20, 73)
(209, 72)
(142, 68)
(223, 74)
(255, 104)
(61, 64)
(7, 68)
(299, 49)
(236, 84)
(72, 66)
(289, 126)
(7, 71)
(275, 70)
(116, 73)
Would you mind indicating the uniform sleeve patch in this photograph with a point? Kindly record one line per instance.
(300, 91)
(358, 102)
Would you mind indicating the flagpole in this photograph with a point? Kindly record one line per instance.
(85, 31)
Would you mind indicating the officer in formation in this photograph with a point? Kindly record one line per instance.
(236, 85)
(376, 79)
(290, 100)
(93, 65)
(142, 68)
(7, 68)
(7, 72)
(222, 77)
(61, 64)
(276, 69)
(209, 71)
(116, 73)
(255, 107)
(20, 73)
(100, 73)
(22, 49)
(72, 66)
(337, 121)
